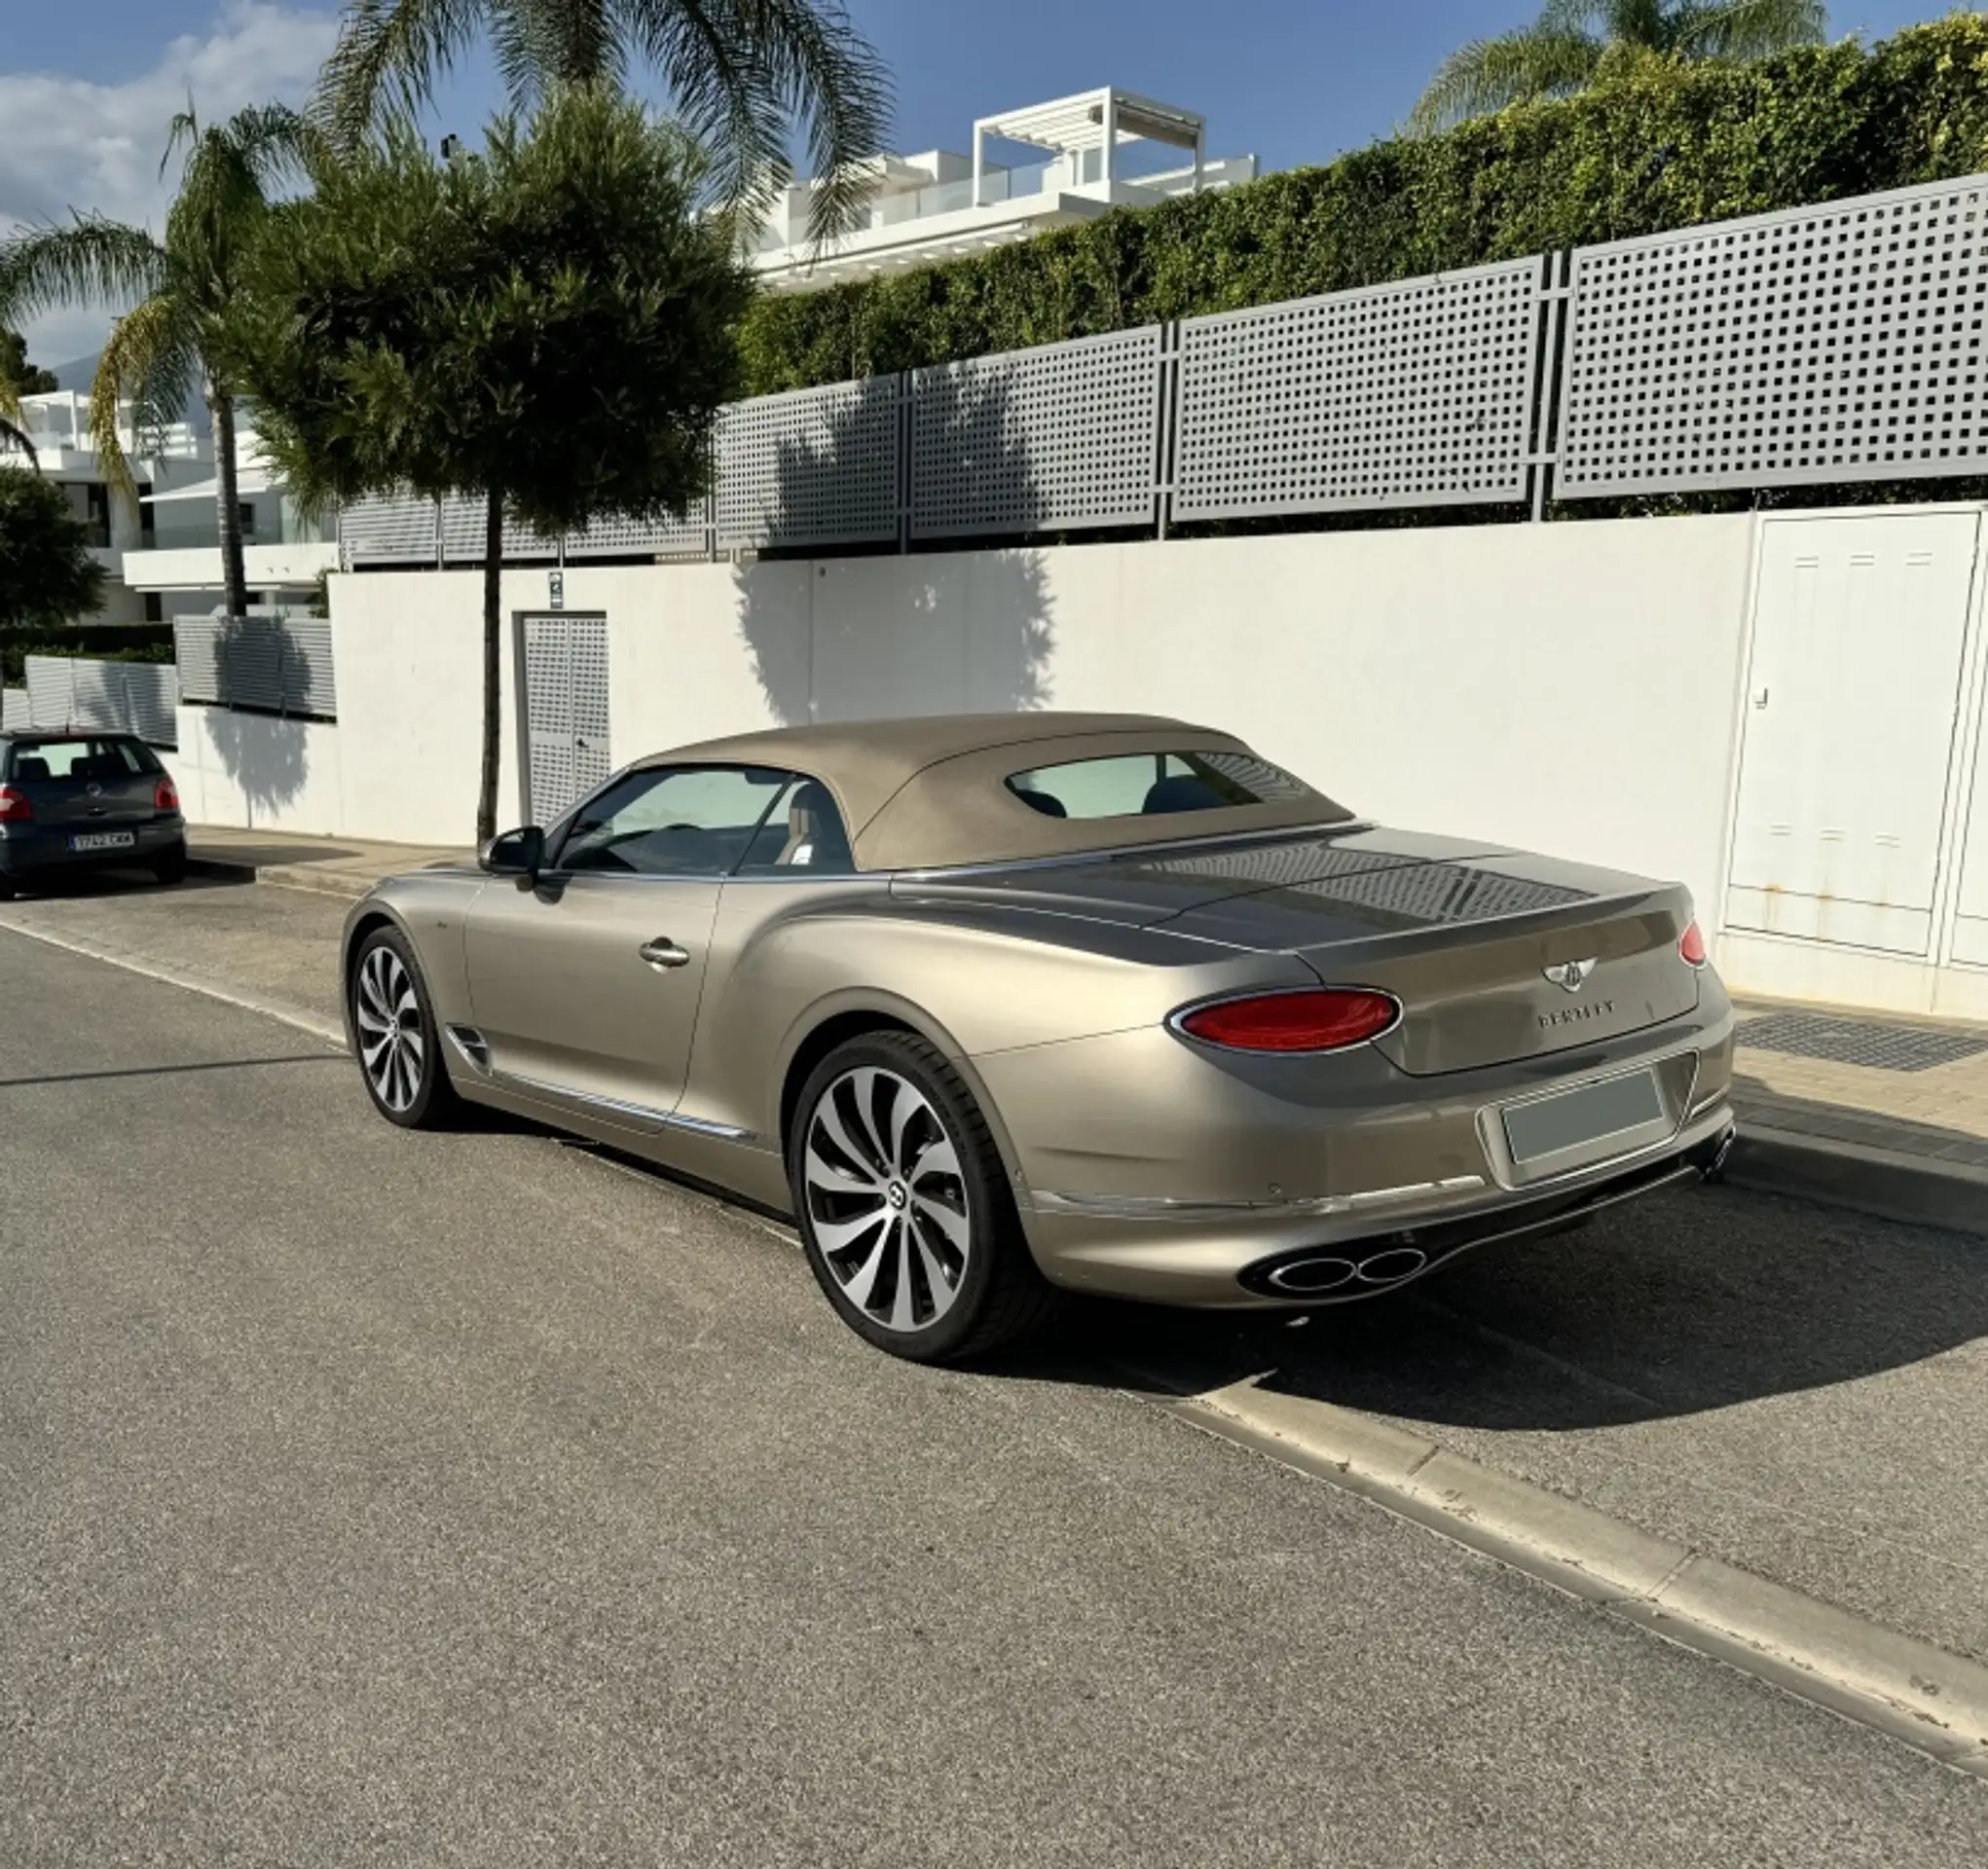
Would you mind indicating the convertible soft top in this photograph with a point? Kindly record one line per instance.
(931, 793)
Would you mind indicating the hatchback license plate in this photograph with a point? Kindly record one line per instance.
(1552, 1125)
(104, 840)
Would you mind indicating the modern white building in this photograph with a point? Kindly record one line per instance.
(1093, 151)
(164, 550)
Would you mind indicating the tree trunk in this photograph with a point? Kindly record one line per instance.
(228, 500)
(493, 695)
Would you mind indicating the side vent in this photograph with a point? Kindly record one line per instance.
(468, 1041)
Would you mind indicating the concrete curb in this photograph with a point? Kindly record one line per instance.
(284, 876)
(1932, 1700)
(1921, 1190)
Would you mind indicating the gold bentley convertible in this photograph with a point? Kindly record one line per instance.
(995, 1006)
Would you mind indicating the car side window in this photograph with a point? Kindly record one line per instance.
(803, 833)
(672, 820)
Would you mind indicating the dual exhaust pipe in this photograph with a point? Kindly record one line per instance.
(1350, 1272)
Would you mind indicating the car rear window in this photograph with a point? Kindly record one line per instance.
(76, 758)
(1150, 784)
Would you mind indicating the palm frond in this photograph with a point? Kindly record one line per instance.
(13, 437)
(388, 57)
(149, 362)
(1748, 28)
(91, 261)
(1488, 74)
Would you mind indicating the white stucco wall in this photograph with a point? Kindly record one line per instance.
(1571, 687)
(254, 771)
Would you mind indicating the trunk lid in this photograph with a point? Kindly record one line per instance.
(1460, 932)
(1495, 957)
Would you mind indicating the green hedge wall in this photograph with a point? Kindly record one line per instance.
(1665, 145)
(105, 642)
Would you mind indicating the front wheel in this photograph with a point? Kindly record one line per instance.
(903, 1208)
(396, 1037)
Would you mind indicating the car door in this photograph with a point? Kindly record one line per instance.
(584, 982)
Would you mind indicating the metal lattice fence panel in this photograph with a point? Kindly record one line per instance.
(1822, 344)
(1415, 394)
(644, 538)
(276, 665)
(1054, 439)
(389, 530)
(463, 523)
(119, 697)
(51, 690)
(814, 467)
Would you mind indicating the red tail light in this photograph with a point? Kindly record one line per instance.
(163, 795)
(1692, 946)
(1310, 1019)
(14, 807)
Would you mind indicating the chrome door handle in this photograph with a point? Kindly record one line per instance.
(664, 952)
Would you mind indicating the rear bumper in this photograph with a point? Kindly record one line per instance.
(42, 848)
(1149, 1172)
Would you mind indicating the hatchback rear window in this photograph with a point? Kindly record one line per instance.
(82, 759)
(1148, 785)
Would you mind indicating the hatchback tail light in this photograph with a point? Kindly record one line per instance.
(1691, 945)
(165, 797)
(14, 808)
(1306, 1020)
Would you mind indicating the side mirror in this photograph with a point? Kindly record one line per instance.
(515, 853)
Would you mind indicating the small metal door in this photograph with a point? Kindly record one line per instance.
(565, 712)
(1850, 716)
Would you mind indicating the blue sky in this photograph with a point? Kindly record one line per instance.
(86, 90)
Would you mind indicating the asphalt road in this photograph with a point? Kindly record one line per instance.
(376, 1498)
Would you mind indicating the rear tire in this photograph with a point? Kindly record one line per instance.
(171, 867)
(396, 1037)
(903, 1206)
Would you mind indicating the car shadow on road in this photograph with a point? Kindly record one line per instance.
(1691, 1302)
(121, 881)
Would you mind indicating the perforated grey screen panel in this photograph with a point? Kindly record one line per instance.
(816, 468)
(462, 529)
(1834, 343)
(640, 538)
(389, 530)
(1414, 394)
(566, 711)
(1058, 438)
(274, 665)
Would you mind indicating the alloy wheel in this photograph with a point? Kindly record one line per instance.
(887, 1203)
(392, 1049)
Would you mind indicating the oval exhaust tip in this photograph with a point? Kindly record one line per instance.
(1308, 1278)
(1394, 1265)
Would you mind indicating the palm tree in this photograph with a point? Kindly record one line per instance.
(1561, 51)
(740, 73)
(178, 291)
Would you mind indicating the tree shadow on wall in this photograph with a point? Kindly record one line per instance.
(262, 747)
(965, 624)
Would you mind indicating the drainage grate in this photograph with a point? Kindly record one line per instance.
(1865, 1041)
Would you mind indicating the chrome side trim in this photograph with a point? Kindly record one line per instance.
(1154, 1207)
(613, 1105)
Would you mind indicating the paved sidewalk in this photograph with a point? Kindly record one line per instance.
(1888, 1115)
(347, 866)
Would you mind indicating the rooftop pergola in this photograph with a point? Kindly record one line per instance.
(1092, 120)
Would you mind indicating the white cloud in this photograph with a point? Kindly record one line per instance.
(72, 143)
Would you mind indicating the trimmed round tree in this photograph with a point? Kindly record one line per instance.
(546, 326)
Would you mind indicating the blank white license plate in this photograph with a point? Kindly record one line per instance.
(104, 840)
(1552, 1125)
